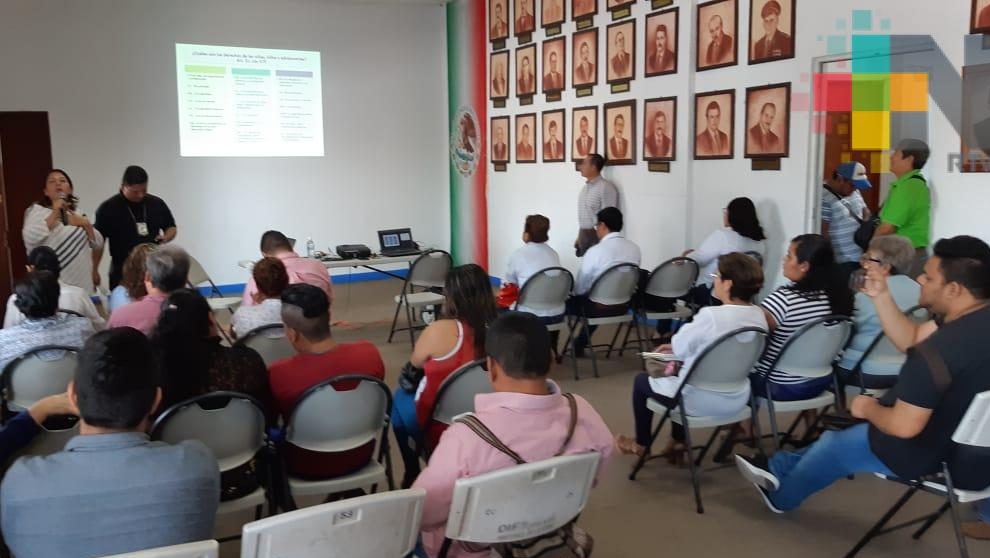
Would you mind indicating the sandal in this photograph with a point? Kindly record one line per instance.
(628, 446)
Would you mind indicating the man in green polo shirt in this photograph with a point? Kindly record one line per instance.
(907, 211)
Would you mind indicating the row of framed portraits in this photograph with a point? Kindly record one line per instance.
(766, 121)
(716, 47)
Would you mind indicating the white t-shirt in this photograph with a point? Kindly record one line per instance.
(70, 297)
(708, 324)
(721, 242)
(525, 262)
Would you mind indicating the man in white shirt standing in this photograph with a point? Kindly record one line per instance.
(596, 195)
(612, 249)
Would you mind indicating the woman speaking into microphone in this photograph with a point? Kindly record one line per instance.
(53, 222)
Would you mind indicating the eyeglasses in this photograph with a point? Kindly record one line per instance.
(866, 259)
(714, 275)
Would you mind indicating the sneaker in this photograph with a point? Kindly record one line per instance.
(978, 530)
(767, 500)
(757, 471)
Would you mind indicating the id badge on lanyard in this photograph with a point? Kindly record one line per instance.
(142, 229)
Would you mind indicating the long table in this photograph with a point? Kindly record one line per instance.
(371, 263)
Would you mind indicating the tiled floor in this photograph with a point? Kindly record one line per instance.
(654, 516)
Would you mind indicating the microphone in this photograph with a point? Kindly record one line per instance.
(64, 214)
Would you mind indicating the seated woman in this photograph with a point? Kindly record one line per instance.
(534, 256)
(736, 282)
(890, 255)
(271, 278)
(817, 289)
(131, 285)
(444, 346)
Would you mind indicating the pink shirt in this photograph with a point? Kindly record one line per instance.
(300, 270)
(141, 314)
(534, 426)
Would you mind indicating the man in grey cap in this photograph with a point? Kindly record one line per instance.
(843, 210)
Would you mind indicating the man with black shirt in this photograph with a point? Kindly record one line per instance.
(132, 217)
(908, 433)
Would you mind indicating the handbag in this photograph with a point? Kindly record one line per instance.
(409, 377)
(507, 295)
(570, 540)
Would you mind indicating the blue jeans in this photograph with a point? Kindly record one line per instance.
(983, 510)
(835, 455)
(408, 434)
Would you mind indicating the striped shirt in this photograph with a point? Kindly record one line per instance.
(71, 245)
(596, 195)
(842, 226)
(791, 310)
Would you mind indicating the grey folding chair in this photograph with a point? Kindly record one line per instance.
(808, 353)
(201, 549)
(547, 291)
(456, 394)
(328, 420)
(382, 525)
(881, 354)
(428, 272)
(269, 341)
(723, 367)
(615, 287)
(234, 427)
(673, 279)
(971, 452)
(198, 277)
(55, 433)
(36, 374)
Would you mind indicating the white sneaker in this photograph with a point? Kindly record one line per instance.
(757, 471)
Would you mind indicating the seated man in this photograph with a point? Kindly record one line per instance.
(518, 347)
(70, 297)
(306, 315)
(36, 297)
(612, 249)
(167, 270)
(301, 270)
(909, 431)
(111, 490)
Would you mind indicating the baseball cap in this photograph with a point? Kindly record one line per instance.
(855, 173)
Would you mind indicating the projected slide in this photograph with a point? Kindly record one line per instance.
(248, 102)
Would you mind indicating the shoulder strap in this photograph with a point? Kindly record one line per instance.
(570, 427)
(936, 364)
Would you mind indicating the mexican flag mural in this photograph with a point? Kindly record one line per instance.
(467, 111)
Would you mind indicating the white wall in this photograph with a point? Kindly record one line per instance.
(105, 72)
(667, 213)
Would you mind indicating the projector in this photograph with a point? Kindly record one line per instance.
(353, 251)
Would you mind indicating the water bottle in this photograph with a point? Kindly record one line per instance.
(310, 247)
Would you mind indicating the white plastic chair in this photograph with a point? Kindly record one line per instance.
(36, 374)
(456, 395)
(616, 286)
(428, 271)
(546, 291)
(55, 433)
(198, 276)
(375, 526)
(269, 341)
(673, 279)
(724, 367)
(326, 420)
(201, 549)
(233, 426)
(883, 355)
(808, 353)
(971, 435)
(520, 502)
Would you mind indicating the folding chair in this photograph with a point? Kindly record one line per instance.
(269, 341)
(672, 279)
(198, 276)
(882, 354)
(520, 502)
(971, 435)
(723, 366)
(546, 291)
(808, 353)
(55, 433)
(201, 549)
(327, 420)
(234, 427)
(615, 287)
(427, 272)
(36, 374)
(456, 395)
(375, 526)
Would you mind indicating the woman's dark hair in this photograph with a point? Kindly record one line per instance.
(823, 273)
(45, 202)
(537, 227)
(43, 258)
(470, 300)
(37, 295)
(744, 271)
(132, 275)
(742, 219)
(179, 341)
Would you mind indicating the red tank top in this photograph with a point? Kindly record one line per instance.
(436, 371)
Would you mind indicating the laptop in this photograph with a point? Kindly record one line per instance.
(397, 242)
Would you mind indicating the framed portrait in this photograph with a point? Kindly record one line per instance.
(525, 16)
(618, 4)
(526, 138)
(501, 139)
(554, 62)
(583, 8)
(975, 127)
(584, 49)
(620, 51)
(713, 130)
(526, 71)
(620, 132)
(768, 121)
(554, 137)
(717, 34)
(499, 87)
(584, 123)
(661, 42)
(498, 18)
(554, 13)
(980, 18)
(660, 129)
(771, 30)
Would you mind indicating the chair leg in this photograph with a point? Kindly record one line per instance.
(591, 348)
(931, 521)
(773, 421)
(409, 322)
(950, 493)
(639, 341)
(754, 418)
(790, 430)
(395, 318)
(695, 482)
(708, 446)
(625, 342)
(646, 453)
(615, 338)
(876, 529)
